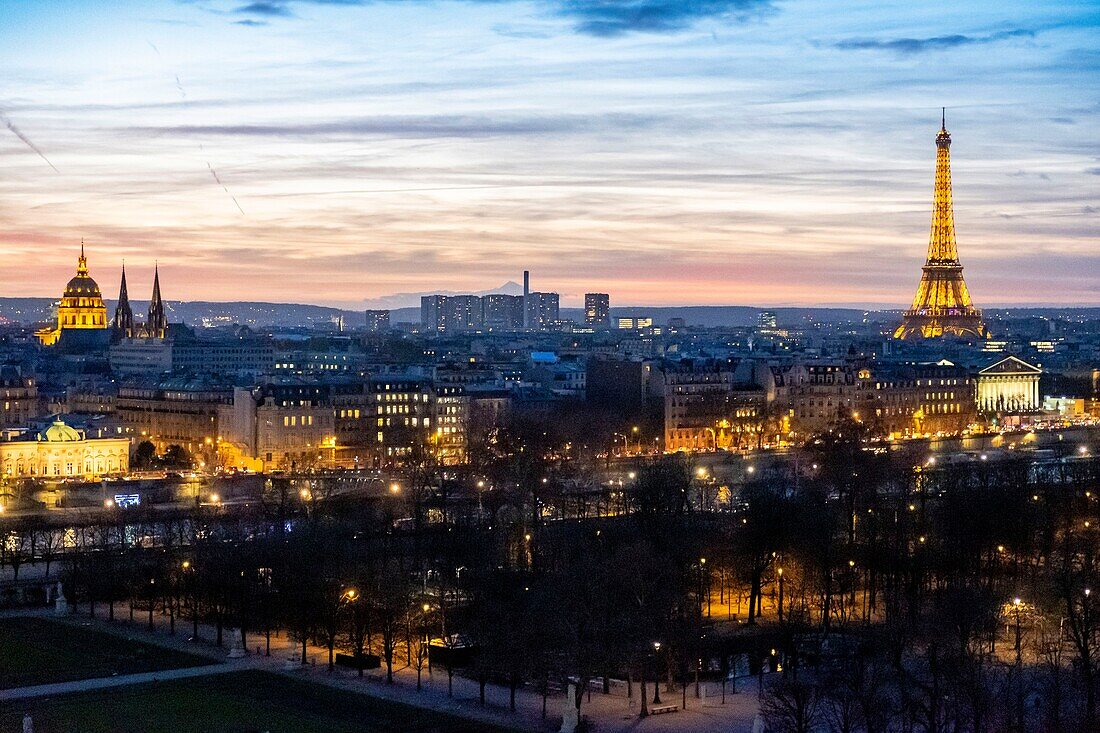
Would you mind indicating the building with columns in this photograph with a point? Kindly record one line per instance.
(61, 451)
(1010, 385)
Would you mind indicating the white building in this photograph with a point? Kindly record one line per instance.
(1010, 385)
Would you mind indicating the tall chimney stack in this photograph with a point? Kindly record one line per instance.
(526, 292)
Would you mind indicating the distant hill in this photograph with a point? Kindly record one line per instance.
(198, 313)
(297, 315)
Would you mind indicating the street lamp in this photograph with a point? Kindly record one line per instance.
(657, 676)
(395, 488)
(1016, 603)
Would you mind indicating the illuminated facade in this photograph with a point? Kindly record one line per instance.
(1010, 385)
(942, 305)
(711, 407)
(81, 314)
(61, 451)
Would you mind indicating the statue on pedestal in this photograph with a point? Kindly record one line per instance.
(237, 650)
(570, 716)
(60, 603)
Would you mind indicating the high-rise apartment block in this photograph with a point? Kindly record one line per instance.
(378, 321)
(455, 313)
(597, 310)
(542, 311)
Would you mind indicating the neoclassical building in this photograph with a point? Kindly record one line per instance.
(81, 314)
(61, 451)
(1010, 385)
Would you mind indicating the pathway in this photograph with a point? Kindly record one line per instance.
(611, 713)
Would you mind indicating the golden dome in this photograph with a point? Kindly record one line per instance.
(82, 286)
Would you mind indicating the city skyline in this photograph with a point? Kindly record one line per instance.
(692, 154)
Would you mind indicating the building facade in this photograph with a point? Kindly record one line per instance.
(597, 310)
(378, 321)
(1010, 385)
(61, 451)
(18, 396)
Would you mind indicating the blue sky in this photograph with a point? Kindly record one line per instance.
(700, 151)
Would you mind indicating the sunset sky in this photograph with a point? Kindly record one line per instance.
(763, 152)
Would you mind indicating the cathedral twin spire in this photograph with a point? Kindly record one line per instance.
(156, 324)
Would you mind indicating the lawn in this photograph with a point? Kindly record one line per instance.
(37, 651)
(237, 702)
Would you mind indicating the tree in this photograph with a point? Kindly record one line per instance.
(792, 705)
(389, 600)
(145, 455)
(176, 456)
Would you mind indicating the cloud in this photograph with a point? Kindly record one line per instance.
(906, 46)
(251, 23)
(1023, 174)
(1093, 171)
(605, 18)
(414, 126)
(266, 9)
(619, 17)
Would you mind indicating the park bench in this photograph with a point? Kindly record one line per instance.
(659, 709)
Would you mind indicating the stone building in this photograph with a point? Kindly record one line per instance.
(61, 451)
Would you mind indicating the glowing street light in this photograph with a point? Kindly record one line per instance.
(395, 488)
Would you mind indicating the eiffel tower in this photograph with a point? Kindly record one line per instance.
(942, 305)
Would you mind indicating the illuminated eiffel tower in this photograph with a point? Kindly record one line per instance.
(942, 305)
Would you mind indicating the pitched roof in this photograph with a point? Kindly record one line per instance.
(1010, 365)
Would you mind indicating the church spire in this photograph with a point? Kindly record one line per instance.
(124, 314)
(157, 323)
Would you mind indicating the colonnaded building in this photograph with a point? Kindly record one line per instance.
(61, 451)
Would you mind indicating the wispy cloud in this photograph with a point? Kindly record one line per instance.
(604, 18)
(426, 126)
(934, 43)
(266, 9)
(615, 18)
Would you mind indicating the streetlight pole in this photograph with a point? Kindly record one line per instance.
(657, 675)
(780, 573)
(1016, 607)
